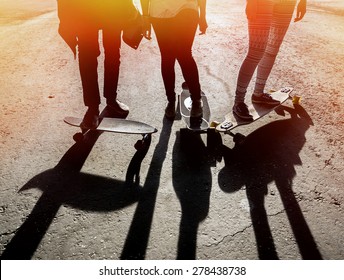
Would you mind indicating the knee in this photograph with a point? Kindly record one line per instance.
(272, 51)
(88, 51)
(168, 60)
(254, 56)
(112, 56)
(185, 57)
(88, 45)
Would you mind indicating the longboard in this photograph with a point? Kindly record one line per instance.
(257, 111)
(185, 102)
(116, 125)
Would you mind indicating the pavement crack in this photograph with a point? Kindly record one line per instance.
(229, 236)
(8, 233)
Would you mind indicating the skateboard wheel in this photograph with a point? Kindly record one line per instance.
(296, 99)
(214, 124)
(139, 145)
(78, 137)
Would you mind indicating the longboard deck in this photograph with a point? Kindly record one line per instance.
(185, 103)
(257, 111)
(116, 125)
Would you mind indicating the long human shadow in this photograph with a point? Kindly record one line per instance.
(192, 183)
(135, 245)
(270, 154)
(66, 185)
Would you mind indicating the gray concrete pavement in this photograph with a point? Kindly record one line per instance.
(279, 195)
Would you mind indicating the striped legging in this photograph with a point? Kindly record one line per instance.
(266, 33)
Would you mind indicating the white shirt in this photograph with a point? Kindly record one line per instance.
(170, 8)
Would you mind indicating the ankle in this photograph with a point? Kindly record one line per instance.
(197, 101)
(111, 101)
(258, 93)
(236, 103)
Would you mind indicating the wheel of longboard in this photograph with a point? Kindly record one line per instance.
(214, 124)
(296, 99)
(139, 145)
(239, 138)
(78, 137)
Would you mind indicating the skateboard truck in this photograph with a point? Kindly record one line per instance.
(226, 125)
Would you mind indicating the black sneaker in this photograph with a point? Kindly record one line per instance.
(265, 98)
(196, 109)
(170, 110)
(240, 110)
(117, 109)
(91, 119)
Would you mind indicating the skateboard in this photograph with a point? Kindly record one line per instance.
(197, 125)
(257, 111)
(185, 102)
(115, 125)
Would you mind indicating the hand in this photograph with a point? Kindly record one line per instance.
(69, 35)
(203, 25)
(147, 27)
(301, 10)
(251, 9)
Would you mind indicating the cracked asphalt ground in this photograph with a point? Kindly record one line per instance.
(277, 196)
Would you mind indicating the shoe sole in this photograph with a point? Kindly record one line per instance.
(266, 103)
(245, 118)
(112, 113)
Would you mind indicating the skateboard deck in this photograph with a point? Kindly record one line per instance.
(116, 125)
(256, 110)
(185, 102)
